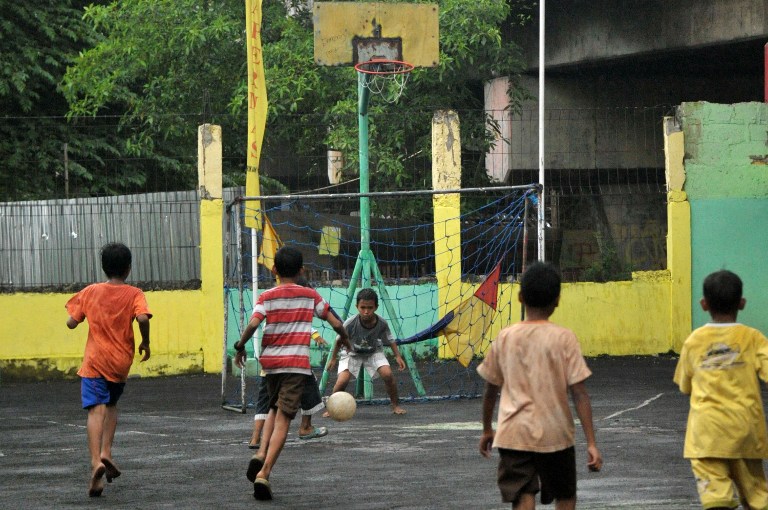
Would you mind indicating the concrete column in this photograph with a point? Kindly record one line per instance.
(678, 235)
(446, 175)
(211, 252)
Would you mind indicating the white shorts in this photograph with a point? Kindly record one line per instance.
(371, 362)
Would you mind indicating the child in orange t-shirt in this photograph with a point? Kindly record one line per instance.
(110, 308)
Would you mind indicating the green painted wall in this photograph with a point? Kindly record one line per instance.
(419, 300)
(726, 151)
(731, 234)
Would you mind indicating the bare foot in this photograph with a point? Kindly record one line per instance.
(96, 485)
(398, 410)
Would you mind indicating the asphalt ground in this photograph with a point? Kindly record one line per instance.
(178, 449)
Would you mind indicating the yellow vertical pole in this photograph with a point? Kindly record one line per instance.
(446, 175)
(211, 253)
(678, 235)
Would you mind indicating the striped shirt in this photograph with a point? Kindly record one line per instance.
(288, 310)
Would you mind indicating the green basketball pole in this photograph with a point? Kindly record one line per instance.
(366, 262)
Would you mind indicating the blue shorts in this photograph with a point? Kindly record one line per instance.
(97, 390)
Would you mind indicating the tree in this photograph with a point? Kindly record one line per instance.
(162, 66)
(37, 41)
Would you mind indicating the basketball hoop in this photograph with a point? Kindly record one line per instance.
(384, 77)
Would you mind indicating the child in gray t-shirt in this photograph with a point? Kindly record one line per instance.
(368, 334)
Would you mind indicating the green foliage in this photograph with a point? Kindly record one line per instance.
(164, 67)
(136, 78)
(37, 42)
(608, 268)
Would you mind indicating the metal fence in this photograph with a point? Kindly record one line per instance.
(54, 244)
(605, 190)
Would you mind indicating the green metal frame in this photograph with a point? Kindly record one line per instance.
(366, 266)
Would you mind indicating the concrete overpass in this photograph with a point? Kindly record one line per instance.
(714, 35)
(607, 55)
(649, 52)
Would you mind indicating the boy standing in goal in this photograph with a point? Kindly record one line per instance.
(533, 365)
(288, 310)
(110, 308)
(368, 333)
(719, 367)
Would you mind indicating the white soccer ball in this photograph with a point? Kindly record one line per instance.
(341, 406)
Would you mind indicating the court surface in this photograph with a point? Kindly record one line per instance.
(178, 449)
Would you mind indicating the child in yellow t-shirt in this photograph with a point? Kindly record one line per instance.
(719, 366)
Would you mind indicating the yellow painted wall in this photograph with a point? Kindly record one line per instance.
(616, 318)
(187, 328)
(38, 345)
(619, 318)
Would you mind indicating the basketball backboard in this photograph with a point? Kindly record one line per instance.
(347, 33)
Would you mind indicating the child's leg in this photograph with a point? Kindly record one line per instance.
(565, 504)
(341, 381)
(262, 409)
(385, 372)
(108, 433)
(714, 483)
(526, 501)
(95, 432)
(749, 477)
(258, 426)
(311, 402)
(275, 434)
(285, 401)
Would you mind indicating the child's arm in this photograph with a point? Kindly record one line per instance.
(583, 407)
(319, 340)
(341, 331)
(335, 353)
(398, 357)
(490, 394)
(239, 346)
(143, 321)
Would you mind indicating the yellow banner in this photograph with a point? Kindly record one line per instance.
(270, 243)
(257, 108)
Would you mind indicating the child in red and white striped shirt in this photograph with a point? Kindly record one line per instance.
(288, 310)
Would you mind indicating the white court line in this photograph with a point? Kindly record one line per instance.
(617, 413)
(142, 433)
(461, 425)
(53, 422)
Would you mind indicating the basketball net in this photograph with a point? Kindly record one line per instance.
(385, 78)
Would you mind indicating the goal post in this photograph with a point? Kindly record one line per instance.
(442, 342)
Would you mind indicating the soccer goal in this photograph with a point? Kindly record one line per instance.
(443, 263)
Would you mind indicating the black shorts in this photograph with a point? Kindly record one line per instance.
(554, 474)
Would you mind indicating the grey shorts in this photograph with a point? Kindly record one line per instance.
(554, 474)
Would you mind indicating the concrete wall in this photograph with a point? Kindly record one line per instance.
(726, 181)
(579, 32)
(187, 327)
(647, 315)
